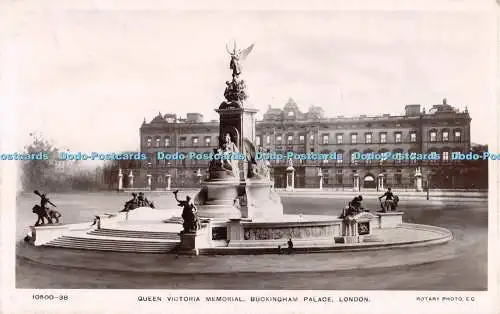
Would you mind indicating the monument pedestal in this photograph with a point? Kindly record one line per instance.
(217, 199)
(390, 219)
(46, 233)
(262, 201)
(354, 228)
(192, 242)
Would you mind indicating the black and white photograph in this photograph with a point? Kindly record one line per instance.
(294, 160)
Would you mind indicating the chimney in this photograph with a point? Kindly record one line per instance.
(412, 110)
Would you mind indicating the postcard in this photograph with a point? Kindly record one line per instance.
(249, 157)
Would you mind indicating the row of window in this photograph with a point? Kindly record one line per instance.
(368, 139)
(195, 141)
(340, 159)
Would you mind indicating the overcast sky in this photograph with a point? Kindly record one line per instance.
(86, 79)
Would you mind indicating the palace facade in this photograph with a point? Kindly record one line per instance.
(443, 130)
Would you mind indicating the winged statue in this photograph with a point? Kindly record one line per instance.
(237, 55)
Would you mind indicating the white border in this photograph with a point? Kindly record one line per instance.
(124, 301)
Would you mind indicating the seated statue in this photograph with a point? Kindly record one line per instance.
(131, 204)
(353, 207)
(226, 166)
(142, 201)
(191, 222)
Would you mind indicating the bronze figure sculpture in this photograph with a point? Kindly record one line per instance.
(191, 222)
(44, 212)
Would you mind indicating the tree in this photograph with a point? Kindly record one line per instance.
(40, 174)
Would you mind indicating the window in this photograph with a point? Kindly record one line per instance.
(397, 137)
(398, 158)
(182, 141)
(311, 138)
(433, 136)
(398, 178)
(278, 139)
(167, 141)
(354, 160)
(446, 156)
(368, 138)
(325, 138)
(339, 138)
(339, 178)
(413, 137)
(157, 141)
(445, 136)
(354, 138)
(458, 136)
(412, 161)
(340, 158)
(257, 141)
(195, 140)
(301, 139)
(268, 139)
(366, 153)
(290, 139)
(148, 141)
(383, 138)
(208, 140)
(290, 113)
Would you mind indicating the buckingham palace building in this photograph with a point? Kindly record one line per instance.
(442, 130)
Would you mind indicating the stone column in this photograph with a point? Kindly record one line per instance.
(199, 175)
(169, 181)
(131, 180)
(381, 182)
(418, 180)
(320, 175)
(356, 182)
(290, 180)
(149, 180)
(120, 179)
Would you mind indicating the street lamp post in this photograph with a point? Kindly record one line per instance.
(429, 176)
(168, 177)
(320, 175)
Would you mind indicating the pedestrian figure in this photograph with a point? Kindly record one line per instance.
(290, 246)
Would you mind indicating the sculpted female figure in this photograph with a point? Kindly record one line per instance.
(229, 151)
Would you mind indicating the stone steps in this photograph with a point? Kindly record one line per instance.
(135, 234)
(105, 244)
(372, 238)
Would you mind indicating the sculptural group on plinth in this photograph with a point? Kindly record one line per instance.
(235, 92)
(136, 202)
(226, 166)
(43, 212)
